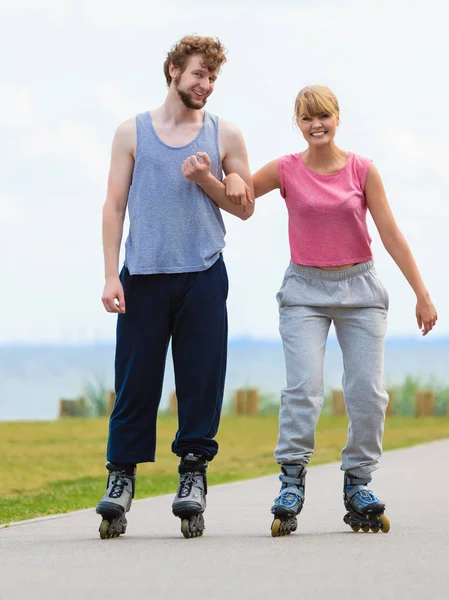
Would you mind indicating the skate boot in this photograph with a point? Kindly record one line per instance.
(117, 500)
(190, 500)
(365, 511)
(290, 501)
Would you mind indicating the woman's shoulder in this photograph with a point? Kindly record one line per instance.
(287, 168)
(360, 167)
(359, 161)
(288, 161)
(289, 157)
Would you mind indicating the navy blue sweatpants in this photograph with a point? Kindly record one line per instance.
(189, 308)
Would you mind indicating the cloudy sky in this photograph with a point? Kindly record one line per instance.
(73, 70)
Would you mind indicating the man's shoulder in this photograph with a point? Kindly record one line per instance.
(227, 128)
(125, 134)
(127, 126)
(230, 136)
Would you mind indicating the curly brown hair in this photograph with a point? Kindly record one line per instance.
(211, 49)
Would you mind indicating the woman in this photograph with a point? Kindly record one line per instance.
(331, 279)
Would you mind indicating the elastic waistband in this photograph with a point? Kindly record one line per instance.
(332, 275)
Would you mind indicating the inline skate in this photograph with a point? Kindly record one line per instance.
(117, 500)
(290, 501)
(365, 511)
(190, 500)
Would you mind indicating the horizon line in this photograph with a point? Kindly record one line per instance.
(233, 340)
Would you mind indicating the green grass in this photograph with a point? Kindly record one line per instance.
(58, 466)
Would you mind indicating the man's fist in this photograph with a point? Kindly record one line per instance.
(196, 167)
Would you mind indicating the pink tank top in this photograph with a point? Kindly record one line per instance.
(326, 213)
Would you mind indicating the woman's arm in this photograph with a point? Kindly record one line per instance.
(264, 181)
(396, 245)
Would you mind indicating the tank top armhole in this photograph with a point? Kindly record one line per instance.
(215, 119)
(143, 128)
(362, 166)
(138, 119)
(280, 167)
(364, 172)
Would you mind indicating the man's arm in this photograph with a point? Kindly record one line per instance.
(114, 210)
(265, 180)
(235, 160)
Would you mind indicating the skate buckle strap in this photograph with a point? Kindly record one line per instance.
(192, 463)
(365, 492)
(351, 480)
(294, 480)
(289, 496)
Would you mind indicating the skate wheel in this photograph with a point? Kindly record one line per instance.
(365, 528)
(275, 527)
(355, 528)
(104, 527)
(185, 528)
(375, 529)
(283, 527)
(385, 523)
(194, 527)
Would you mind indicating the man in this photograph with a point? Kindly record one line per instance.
(167, 166)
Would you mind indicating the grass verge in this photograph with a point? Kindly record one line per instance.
(58, 466)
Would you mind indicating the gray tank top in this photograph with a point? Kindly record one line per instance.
(174, 226)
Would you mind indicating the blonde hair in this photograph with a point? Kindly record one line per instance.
(315, 100)
(211, 49)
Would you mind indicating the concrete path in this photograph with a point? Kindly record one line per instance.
(64, 558)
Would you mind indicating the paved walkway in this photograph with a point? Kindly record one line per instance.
(64, 558)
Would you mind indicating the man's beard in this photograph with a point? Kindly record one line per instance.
(188, 102)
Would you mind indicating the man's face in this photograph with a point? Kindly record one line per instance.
(196, 84)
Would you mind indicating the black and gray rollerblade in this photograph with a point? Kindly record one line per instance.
(117, 500)
(365, 511)
(290, 501)
(190, 500)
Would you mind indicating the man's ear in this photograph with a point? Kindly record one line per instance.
(174, 71)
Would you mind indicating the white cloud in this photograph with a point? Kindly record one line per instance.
(55, 10)
(33, 136)
(11, 213)
(419, 155)
(16, 106)
(152, 14)
(71, 142)
(114, 101)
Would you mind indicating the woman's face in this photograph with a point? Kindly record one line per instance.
(319, 130)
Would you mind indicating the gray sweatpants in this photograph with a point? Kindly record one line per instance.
(357, 303)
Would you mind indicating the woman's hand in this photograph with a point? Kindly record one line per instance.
(426, 315)
(237, 190)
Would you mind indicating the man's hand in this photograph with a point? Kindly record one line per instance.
(113, 296)
(195, 169)
(237, 190)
